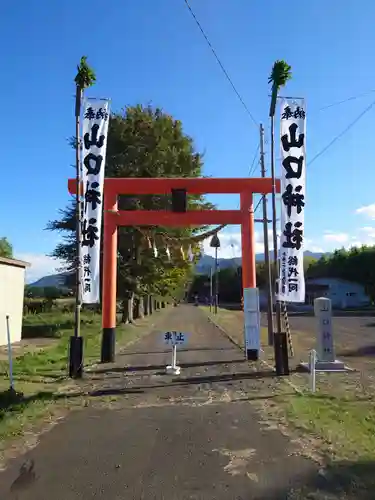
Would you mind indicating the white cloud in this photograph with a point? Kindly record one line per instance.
(309, 245)
(367, 210)
(368, 231)
(364, 236)
(336, 237)
(41, 265)
(230, 244)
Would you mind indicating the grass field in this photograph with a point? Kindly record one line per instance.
(40, 368)
(339, 418)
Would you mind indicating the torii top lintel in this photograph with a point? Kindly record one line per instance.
(193, 185)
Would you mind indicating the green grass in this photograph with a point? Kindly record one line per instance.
(52, 359)
(40, 374)
(346, 425)
(342, 416)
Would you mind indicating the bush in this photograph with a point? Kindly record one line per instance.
(38, 306)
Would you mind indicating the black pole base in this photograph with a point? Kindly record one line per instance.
(108, 345)
(252, 354)
(76, 357)
(281, 354)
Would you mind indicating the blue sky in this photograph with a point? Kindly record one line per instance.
(152, 51)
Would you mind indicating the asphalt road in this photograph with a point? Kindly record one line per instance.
(197, 436)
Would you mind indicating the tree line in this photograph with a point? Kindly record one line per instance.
(356, 265)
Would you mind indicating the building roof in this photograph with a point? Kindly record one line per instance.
(14, 262)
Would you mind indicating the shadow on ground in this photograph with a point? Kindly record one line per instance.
(343, 480)
(167, 351)
(187, 381)
(142, 368)
(13, 402)
(18, 402)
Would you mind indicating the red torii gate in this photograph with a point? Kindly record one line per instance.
(112, 217)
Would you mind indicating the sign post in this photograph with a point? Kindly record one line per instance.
(326, 359)
(252, 321)
(10, 356)
(174, 339)
(325, 350)
(312, 368)
(323, 314)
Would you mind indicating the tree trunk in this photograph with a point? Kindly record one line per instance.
(163, 305)
(131, 307)
(146, 303)
(141, 310)
(125, 311)
(136, 306)
(151, 303)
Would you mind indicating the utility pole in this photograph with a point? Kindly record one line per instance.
(274, 224)
(79, 93)
(216, 281)
(211, 289)
(266, 246)
(215, 243)
(280, 339)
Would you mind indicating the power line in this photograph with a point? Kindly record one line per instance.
(253, 164)
(221, 64)
(259, 202)
(353, 98)
(335, 139)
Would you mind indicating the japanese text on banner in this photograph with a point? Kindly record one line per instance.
(292, 139)
(94, 145)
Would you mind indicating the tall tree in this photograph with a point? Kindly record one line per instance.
(6, 249)
(144, 142)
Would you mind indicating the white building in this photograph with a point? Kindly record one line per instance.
(343, 294)
(12, 286)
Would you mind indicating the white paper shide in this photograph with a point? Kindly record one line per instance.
(94, 145)
(293, 158)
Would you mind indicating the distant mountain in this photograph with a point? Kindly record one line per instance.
(202, 267)
(206, 262)
(53, 280)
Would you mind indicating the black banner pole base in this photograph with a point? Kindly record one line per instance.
(108, 345)
(76, 357)
(252, 354)
(281, 354)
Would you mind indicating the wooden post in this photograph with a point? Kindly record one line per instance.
(266, 247)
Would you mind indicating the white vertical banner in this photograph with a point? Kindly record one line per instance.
(293, 157)
(94, 146)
